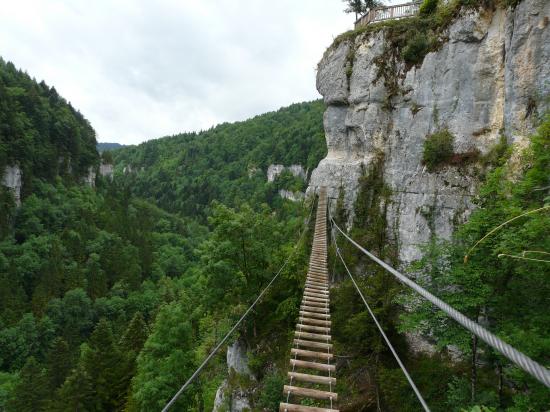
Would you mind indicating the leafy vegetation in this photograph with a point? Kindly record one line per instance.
(40, 131)
(412, 38)
(499, 285)
(108, 302)
(428, 7)
(438, 149)
(185, 173)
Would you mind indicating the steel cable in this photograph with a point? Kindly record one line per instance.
(390, 346)
(219, 345)
(533, 368)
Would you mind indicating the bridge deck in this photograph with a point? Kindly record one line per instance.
(312, 369)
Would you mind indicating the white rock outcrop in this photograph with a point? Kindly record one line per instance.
(106, 170)
(234, 398)
(237, 359)
(89, 179)
(12, 179)
(292, 196)
(490, 77)
(275, 170)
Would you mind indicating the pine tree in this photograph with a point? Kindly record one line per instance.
(106, 365)
(77, 393)
(31, 392)
(135, 335)
(58, 362)
(167, 358)
(131, 343)
(97, 279)
(50, 283)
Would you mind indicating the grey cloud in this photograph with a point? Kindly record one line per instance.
(142, 69)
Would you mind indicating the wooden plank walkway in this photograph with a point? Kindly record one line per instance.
(312, 368)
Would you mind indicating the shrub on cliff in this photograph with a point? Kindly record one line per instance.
(428, 7)
(415, 49)
(438, 149)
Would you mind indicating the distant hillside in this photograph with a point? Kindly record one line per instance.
(102, 146)
(40, 131)
(228, 163)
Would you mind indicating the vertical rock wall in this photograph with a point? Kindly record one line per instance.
(491, 77)
(12, 180)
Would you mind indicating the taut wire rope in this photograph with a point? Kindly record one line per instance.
(533, 368)
(390, 346)
(219, 345)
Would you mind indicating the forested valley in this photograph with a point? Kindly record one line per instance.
(111, 294)
(113, 289)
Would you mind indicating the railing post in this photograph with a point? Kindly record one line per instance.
(389, 12)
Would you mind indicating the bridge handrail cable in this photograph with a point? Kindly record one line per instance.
(219, 345)
(396, 356)
(533, 368)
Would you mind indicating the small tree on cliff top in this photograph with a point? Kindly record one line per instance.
(360, 6)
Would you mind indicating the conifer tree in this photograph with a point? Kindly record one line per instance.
(106, 365)
(166, 359)
(131, 344)
(58, 363)
(49, 285)
(135, 335)
(77, 393)
(31, 392)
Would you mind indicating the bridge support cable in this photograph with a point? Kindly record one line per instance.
(390, 346)
(312, 372)
(220, 344)
(533, 368)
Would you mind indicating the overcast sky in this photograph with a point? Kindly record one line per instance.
(140, 69)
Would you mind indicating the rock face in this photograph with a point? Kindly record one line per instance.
(275, 170)
(236, 399)
(237, 359)
(89, 179)
(12, 180)
(290, 195)
(490, 77)
(106, 170)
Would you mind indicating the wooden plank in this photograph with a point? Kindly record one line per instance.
(306, 377)
(313, 282)
(289, 407)
(315, 295)
(319, 291)
(317, 278)
(317, 305)
(310, 328)
(312, 365)
(324, 288)
(320, 276)
(311, 321)
(317, 336)
(309, 393)
(314, 315)
(313, 299)
(309, 302)
(311, 354)
(320, 283)
(308, 307)
(312, 344)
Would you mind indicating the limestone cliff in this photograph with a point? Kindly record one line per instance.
(12, 179)
(490, 77)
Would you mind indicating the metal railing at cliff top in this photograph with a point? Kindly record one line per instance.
(398, 11)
